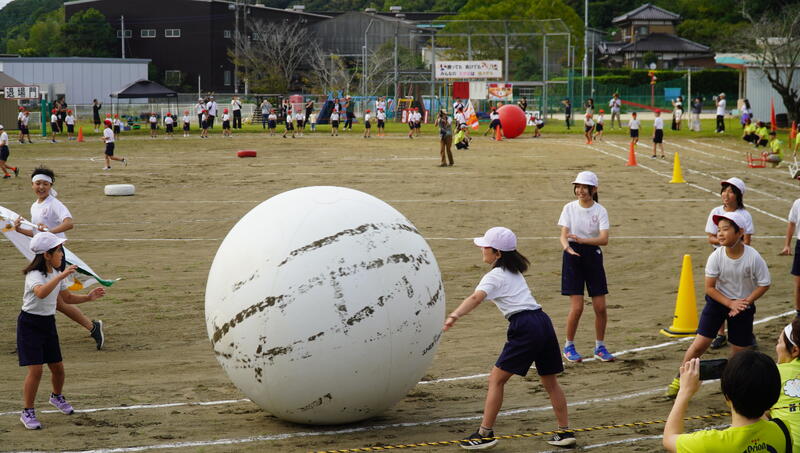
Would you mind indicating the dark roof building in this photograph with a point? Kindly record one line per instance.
(650, 29)
(187, 40)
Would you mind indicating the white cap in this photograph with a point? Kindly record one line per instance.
(45, 241)
(1, 126)
(586, 177)
(788, 331)
(734, 217)
(722, 94)
(736, 182)
(498, 238)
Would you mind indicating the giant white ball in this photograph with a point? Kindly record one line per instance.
(324, 305)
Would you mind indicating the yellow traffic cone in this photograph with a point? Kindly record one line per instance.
(677, 174)
(684, 323)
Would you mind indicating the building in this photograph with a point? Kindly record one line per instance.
(347, 33)
(649, 29)
(80, 79)
(187, 40)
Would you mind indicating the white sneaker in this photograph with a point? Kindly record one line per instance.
(106, 168)
(125, 162)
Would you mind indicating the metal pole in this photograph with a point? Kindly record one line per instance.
(689, 87)
(122, 22)
(433, 71)
(505, 64)
(592, 78)
(236, 48)
(544, 76)
(396, 78)
(366, 51)
(469, 46)
(585, 45)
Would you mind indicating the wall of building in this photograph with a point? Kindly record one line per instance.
(83, 79)
(759, 92)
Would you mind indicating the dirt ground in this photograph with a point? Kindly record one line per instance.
(157, 385)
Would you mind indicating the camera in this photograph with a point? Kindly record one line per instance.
(712, 369)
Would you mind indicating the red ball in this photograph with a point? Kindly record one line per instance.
(512, 120)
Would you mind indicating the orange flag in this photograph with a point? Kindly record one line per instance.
(772, 120)
(793, 133)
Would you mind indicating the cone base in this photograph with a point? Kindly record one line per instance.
(677, 333)
(682, 181)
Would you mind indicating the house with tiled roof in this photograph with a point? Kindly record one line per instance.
(650, 29)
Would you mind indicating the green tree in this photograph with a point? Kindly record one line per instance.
(44, 37)
(88, 34)
(19, 15)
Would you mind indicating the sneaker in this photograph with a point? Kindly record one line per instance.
(602, 354)
(28, 418)
(106, 168)
(720, 341)
(6, 176)
(566, 440)
(653, 156)
(62, 404)
(125, 162)
(97, 334)
(16, 171)
(571, 354)
(477, 442)
(672, 389)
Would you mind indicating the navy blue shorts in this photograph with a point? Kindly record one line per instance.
(598, 127)
(658, 136)
(740, 327)
(110, 149)
(796, 262)
(531, 338)
(37, 339)
(4, 153)
(634, 133)
(585, 270)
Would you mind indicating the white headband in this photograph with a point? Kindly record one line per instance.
(788, 331)
(41, 177)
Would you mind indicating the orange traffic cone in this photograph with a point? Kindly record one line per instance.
(793, 133)
(631, 157)
(497, 134)
(80, 134)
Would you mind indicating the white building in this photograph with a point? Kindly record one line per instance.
(754, 86)
(80, 79)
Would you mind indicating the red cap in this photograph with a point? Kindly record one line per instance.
(367, 110)
(108, 115)
(185, 112)
(21, 109)
(116, 115)
(69, 111)
(169, 114)
(54, 110)
(108, 121)
(224, 110)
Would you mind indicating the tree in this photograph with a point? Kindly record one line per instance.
(18, 16)
(775, 45)
(271, 54)
(88, 34)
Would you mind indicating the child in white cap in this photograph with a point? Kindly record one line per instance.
(531, 337)
(37, 338)
(732, 194)
(584, 228)
(736, 276)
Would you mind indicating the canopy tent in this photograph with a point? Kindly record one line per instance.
(147, 90)
(144, 89)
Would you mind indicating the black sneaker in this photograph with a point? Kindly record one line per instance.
(477, 442)
(97, 334)
(566, 440)
(719, 342)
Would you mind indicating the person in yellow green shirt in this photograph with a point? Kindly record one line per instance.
(762, 135)
(797, 143)
(775, 155)
(750, 384)
(749, 133)
(788, 406)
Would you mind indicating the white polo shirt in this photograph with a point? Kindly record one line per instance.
(634, 124)
(51, 212)
(738, 278)
(108, 134)
(47, 305)
(508, 290)
(721, 107)
(583, 222)
(658, 123)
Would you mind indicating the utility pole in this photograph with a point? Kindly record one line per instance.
(122, 24)
(237, 38)
(585, 44)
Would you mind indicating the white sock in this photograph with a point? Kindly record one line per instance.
(568, 343)
(598, 343)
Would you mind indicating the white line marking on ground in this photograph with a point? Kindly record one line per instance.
(284, 436)
(139, 406)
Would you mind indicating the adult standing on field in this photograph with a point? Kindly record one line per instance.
(445, 124)
(615, 105)
(96, 114)
(199, 108)
(211, 106)
(721, 104)
(697, 109)
(236, 108)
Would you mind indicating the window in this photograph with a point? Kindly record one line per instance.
(257, 37)
(148, 33)
(227, 34)
(172, 77)
(227, 76)
(643, 30)
(172, 33)
(128, 34)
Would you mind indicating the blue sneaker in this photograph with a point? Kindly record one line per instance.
(602, 354)
(571, 354)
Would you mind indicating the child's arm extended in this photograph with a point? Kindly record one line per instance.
(466, 306)
(72, 298)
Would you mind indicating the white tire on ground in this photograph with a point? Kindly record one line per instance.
(117, 190)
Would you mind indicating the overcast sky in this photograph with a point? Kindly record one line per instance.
(4, 3)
